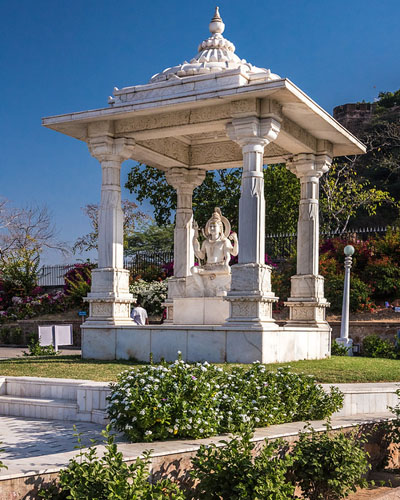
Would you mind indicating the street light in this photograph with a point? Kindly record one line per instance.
(344, 339)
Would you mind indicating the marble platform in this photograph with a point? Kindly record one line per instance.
(216, 344)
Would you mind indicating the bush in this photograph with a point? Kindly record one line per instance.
(35, 349)
(339, 350)
(199, 400)
(232, 473)
(153, 294)
(383, 274)
(329, 467)
(78, 281)
(109, 477)
(360, 293)
(375, 347)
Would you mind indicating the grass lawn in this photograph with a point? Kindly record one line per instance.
(334, 370)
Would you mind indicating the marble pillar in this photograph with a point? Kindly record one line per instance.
(109, 298)
(251, 297)
(184, 181)
(307, 303)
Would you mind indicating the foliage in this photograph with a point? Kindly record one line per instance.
(132, 220)
(153, 294)
(150, 272)
(282, 196)
(393, 426)
(109, 477)
(151, 238)
(220, 188)
(339, 350)
(375, 274)
(11, 335)
(198, 400)
(380, 165)
(2, 466)
(18, 274)
(375, 347)
(329, 467)
(35, 349)
(360, 293)
(343, 194)
(232, 473)
(35, 305)
(389, 99)
(78, 281)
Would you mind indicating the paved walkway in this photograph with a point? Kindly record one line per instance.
(33, 445)
(17, 352)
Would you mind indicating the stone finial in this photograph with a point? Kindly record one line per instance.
(216, 25)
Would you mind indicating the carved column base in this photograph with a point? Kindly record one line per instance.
(109, 299)
(309, 313)
(169, 309)
(250, 297)
(252, 312)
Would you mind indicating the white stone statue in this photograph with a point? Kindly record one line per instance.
(216, 249)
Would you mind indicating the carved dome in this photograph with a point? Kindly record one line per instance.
(215, 54)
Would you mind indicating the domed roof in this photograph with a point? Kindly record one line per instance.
(215, 54)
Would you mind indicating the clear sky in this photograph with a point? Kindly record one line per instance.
(59, 56)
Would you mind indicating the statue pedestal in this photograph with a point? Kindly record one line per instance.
(200, 311)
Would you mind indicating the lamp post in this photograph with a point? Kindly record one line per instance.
(344, 339)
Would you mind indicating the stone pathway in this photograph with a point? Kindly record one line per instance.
(35, 445)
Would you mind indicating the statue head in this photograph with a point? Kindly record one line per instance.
(217, 226)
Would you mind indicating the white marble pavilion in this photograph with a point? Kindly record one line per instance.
(215, 111)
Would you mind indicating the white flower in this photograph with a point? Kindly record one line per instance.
(142, 412)
(148, 433)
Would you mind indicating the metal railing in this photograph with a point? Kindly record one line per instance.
(53, 275)
(140, 262)
(281, 245)
(278, 247)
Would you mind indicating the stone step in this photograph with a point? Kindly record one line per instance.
(53, 409)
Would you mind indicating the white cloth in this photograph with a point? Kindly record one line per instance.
(139, 315)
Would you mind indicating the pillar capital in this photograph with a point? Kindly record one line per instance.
(252, 132)
(308, 165)
(106, 148)
(185, 179)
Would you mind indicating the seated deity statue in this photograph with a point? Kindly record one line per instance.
(216, 248)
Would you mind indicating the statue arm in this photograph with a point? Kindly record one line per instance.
(235, 246)
(199, 252)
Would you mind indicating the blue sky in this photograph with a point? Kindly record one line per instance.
(59, 56)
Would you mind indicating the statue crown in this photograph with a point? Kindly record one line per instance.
(216, 216)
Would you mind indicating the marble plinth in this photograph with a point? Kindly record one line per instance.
(217, 344)
(200, 311)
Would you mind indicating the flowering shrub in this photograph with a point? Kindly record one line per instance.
(153, 294)
(198, 400)
(375, 273)
(31, 306)
(78, 281)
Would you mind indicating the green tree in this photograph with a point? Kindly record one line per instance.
(151, 238)
(379, 168)
(344, 194)
(220, 188)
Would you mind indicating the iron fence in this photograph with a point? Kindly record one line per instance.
(281, 245)
(140, 262)
(53, 275)
(278, 247)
